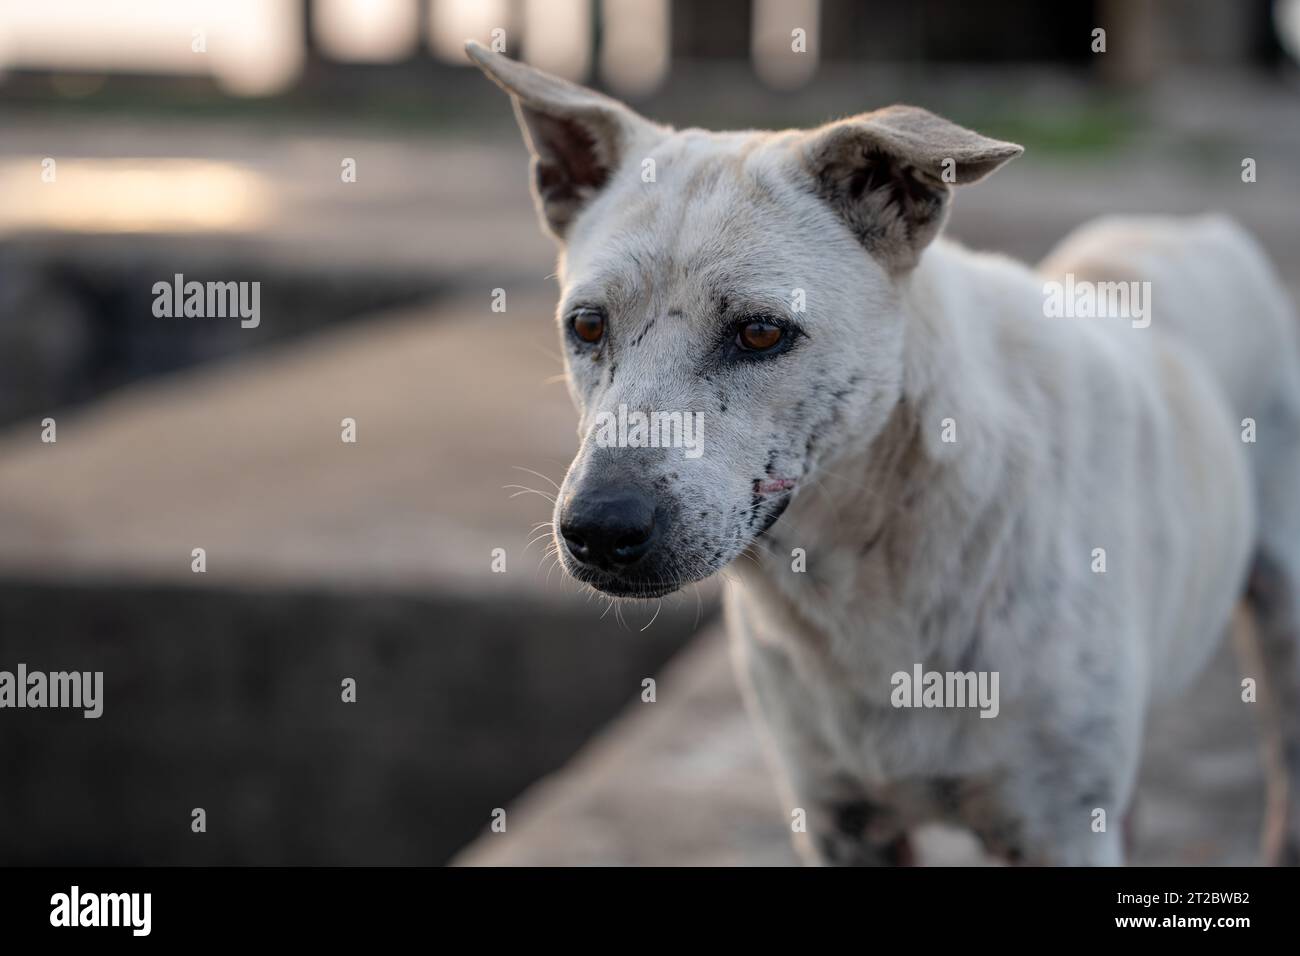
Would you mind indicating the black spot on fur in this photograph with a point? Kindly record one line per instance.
(648, 326)
(883, 201)
(852, 818)
(946, 793)
(774, 514)
(872, 541)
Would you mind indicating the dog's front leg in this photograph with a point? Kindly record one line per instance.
(833, 821)
(1068, 804)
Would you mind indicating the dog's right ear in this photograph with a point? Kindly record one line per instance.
(888, 175)
(577, 137)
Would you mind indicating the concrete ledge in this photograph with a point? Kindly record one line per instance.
(230, 700)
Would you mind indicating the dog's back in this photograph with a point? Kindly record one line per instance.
(1215, 296)
(1212, 287)
(1214, 293)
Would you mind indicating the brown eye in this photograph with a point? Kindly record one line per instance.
(759, 336)
(588, 325)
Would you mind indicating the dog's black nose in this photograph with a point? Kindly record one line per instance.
(608, 529)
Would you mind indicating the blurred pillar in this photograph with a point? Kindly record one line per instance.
(634, 45)
(557, 36)
(1134, 53)
(449, 23)
(367, 31)
(313, 64)
(786, 41)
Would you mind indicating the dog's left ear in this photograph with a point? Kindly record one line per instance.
(577, 137)
(888, 173)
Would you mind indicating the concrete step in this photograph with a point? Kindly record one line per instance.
(230, 699)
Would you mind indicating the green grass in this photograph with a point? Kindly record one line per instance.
(1087, 131)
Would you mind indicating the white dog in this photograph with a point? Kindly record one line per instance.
(984, 521)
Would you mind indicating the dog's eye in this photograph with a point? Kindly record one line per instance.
(588, 325)
(759, 336)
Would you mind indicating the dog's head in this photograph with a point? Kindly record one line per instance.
(730, 311)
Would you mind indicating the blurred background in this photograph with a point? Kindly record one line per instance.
(344, 155)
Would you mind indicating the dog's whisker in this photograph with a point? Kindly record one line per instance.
(555, 357)
(538, 474)
(525, 490)
(540, 537)
(553, 555)
(554, 564)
